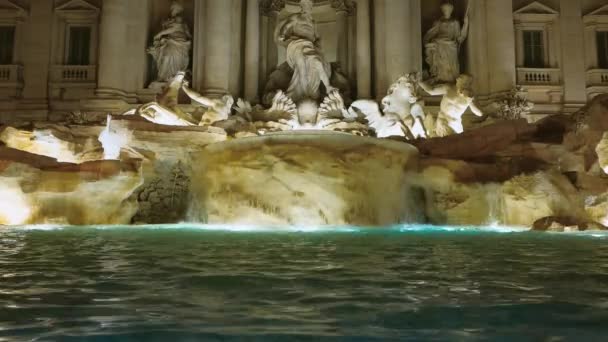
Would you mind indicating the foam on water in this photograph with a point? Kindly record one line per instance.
(396, 229)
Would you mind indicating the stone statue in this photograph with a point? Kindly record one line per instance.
(285, 115)
(402, 111)
(442, 43)
(281, 116)
(217, 109)
(340, 80)
(165, 110)
(457, 98)
(299, 35)
(403, 100)
(171, 47)
(514, 105)
(280, 80)
(384, 124)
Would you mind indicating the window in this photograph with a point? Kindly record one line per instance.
(7, 44)
(534, 50)
(602, 49)
(79, 45)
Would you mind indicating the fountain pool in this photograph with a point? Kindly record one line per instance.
(230, 283)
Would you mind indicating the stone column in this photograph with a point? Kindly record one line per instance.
(216, 80)
(269, 55)
(380, 82)
(252, 51)
(416, 35)
(573, 54)
(364, 50)
(35, 46)
(112, 49)
(137, 37)
(398, 40)
(342, 8)
(273, 50)
(501, 45)
(491, 46)
(198, 44)
(237, 53)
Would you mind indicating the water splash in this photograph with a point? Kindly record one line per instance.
(495, 207)
(113, 140)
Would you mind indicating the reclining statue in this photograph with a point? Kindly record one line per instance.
(165, 110)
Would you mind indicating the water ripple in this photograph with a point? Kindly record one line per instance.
(416, 283)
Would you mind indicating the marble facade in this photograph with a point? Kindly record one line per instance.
(233, 50)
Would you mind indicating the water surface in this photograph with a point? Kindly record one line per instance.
(196, 283)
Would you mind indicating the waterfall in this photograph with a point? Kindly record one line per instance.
(494, 201)
(113, 140)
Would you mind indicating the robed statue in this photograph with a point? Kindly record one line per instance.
(442, 44)
(171, 47)
(298, 34)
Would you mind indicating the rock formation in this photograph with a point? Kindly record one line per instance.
(305, 178)
(510, 172)
(39, 190)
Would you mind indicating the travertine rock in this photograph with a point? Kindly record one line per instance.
(307, 178)
(565, 224)
(55, 141)
(36, 189)
(77, 144)
(456, 196)
(164, 199)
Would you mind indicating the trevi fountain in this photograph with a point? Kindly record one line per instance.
(309, 204)
(308, 154)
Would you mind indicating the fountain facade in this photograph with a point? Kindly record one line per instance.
(307, 153)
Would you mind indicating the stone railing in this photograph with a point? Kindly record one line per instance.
(12, 74)
(597, 77)
(541, 76)
(74, 73)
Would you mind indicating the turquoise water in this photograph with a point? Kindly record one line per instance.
(201, 283)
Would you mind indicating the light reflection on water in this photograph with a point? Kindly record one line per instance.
(194, 282)
(279, 229)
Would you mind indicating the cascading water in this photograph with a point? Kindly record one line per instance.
(495, 204)
(113, 140)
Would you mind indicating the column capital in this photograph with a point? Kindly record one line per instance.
(271, 7)
(346, 6)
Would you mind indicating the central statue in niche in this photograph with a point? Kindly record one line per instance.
(298, 34)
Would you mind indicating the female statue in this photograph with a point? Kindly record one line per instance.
(442, 43)
(299, 35)
(171, 48)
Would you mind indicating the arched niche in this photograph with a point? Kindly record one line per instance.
(431, 12)
(159, 11)
(326, 18)
(335, 24)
